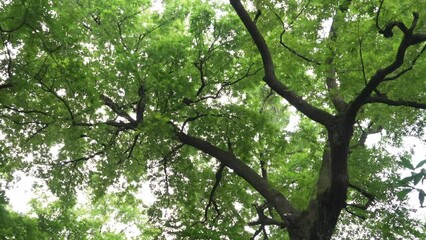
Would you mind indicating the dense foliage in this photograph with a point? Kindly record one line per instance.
(195, 97)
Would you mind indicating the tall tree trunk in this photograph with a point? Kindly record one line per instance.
(320, 219)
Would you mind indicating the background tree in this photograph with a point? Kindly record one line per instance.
(108, 219)
(195, 98)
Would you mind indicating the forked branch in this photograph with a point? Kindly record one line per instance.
(228, 159)
(363, 207)
(410, 38)
(218, 178)
(298, 102)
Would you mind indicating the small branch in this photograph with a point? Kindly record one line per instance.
(147, 32)
(362, 60)
(258, 14)
(140, 108)
(362, 191)
(165, 160)
(387, 32)
(378, 14)
(132, 147)
(19, 25)
(263, 169)
(87, 27)
(120, 33)
(286, 46)
(364, 134)
(120, 125)
(284, 30)
(191, 119)
(265, 100)
(355, 214)
(25, 111)
(247, 74)
(172, 152)
(257, 232)
(199, 65)
(364, 207)
(366, 194)
(218, 177)
(50, 89)
(385, 100)
(120, 30)
(263, 219)
(224, 84)
(363, 65)
(9, 62)
(36, 132)
(75, 161)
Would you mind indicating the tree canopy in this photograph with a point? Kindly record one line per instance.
(195, 98)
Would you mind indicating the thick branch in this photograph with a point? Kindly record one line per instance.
(408, 40)
(228, 82)
(140, 108)
(331, 79)
(280, 203)
(366, 194)
(117, 109)
(6, 85)
(310, 111)
(413, 62)
(363, 207)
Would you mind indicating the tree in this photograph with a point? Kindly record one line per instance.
(57, 221)
(195, 97)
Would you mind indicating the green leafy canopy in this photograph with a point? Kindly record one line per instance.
(195, 98)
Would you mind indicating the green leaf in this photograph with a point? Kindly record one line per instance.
(417, 177)
(405, 162)
(403, 193)
(421, 163)
(422, 195)
(406, 180)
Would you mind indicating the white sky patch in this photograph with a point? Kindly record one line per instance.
(238, 206)
(293, 124)
(4, 3)
(157, 6)
(61, 92)
(325, 28)
(417, 148)
(21, 192)
(146, 194)
(44, 27)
